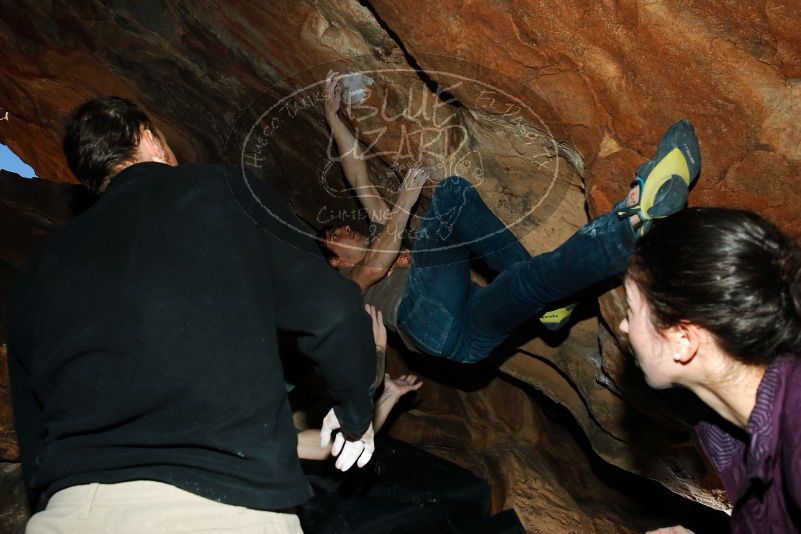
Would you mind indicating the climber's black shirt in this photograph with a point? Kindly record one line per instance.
(142, 340)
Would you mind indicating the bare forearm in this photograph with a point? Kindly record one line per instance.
(309, 445)
(352, 161)
(384, 250)
(383, 407)
(355, 170)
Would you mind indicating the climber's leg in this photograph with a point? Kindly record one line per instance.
(599, 250)
(457, 226)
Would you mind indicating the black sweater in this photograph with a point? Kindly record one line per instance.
(142, 340)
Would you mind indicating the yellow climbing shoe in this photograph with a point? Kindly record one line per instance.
(556, 319)
(665, 180)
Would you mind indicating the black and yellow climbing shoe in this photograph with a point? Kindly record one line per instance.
(556, 319)
(665, 180)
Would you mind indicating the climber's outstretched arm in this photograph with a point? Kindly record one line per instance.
(351, 155)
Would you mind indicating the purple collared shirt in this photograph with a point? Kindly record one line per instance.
(760, 467)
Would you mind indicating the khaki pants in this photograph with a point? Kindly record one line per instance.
(144, 507)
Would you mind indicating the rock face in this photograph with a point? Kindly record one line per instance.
(14, 513)
(519, 444)
(542, 105)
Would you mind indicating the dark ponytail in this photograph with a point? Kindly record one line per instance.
(791, 272)
(731, 272)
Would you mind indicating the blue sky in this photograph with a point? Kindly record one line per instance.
(10, 162)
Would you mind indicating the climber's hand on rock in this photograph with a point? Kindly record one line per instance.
(415, 179)
(411, 187)
(332, 93)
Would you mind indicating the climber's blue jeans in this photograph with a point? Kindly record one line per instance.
(445, 314)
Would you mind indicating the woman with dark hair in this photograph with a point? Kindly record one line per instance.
(714, 305)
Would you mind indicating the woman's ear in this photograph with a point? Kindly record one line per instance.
(685, 339)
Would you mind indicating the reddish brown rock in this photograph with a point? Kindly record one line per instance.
(493, 427)
(9, 449)
(627, 70)
(14, 511)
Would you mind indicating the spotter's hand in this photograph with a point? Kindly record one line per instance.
(379, 330)
(347, 452)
